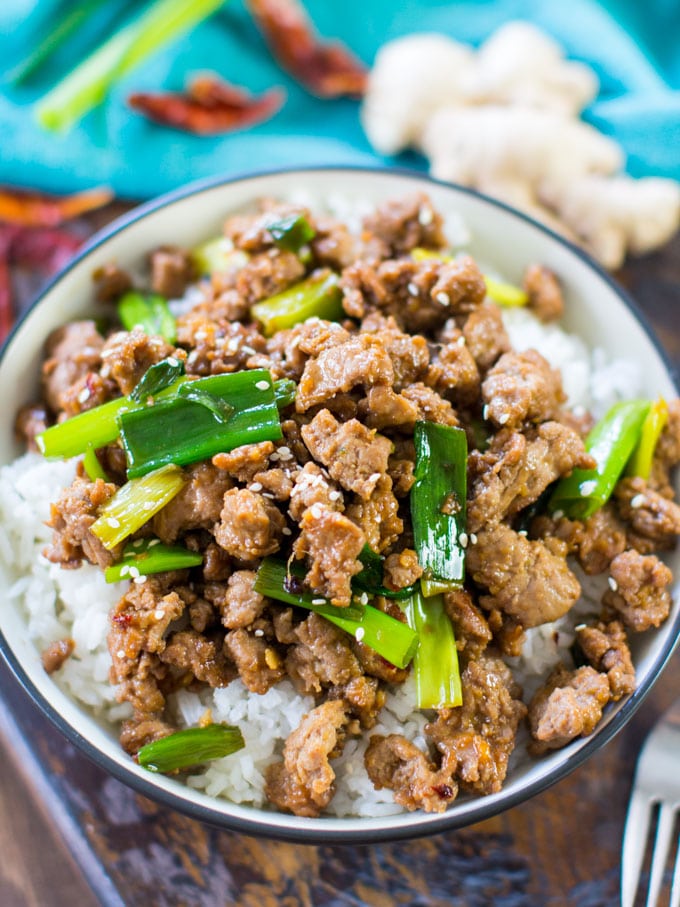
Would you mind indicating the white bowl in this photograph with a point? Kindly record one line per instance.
(597, 309)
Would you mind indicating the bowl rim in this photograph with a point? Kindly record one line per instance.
(481, 808)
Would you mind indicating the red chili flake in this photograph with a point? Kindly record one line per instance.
(443, 791)
(326, 70)
(35, 209)
(123, 620)
(210, 106)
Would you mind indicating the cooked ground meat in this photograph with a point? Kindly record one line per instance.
(71, 353)
(471, 628)
(267, 274)
(31, 420)
(595, 542)
(521, 387)
(399, 765)
(313, 485)
(568, 706)
(649, 513)
(71, 518)
(454, 373)
(322, 656)
(259, 665)
(545, 293)
(237, 601)
(171, 271)
(639, 590)
(332, 543)
(250, 525)
(127, 355)
(524, 578)
(377, 516)
(197, 506)
(303, 782)
(111, 282)
(605, 645)
(198, 657)
(401, 569)
(56, 653)
(404, 224)
(243, 463)
(485, 335)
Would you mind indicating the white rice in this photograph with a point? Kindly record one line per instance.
(60, 603)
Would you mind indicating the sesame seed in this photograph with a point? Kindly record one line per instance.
(192, 357)
(154, 542)
(523, 533)
(284, 451)
(318, 601)
(159, 613)
(134, 572)
(262, 385)
(485, 412)
(442, 298)
(286, 531)
(138, 543)
(316, 510)
(461, 341)
(274, 456)
(363, 598)
(84, 395)
(172, 361)
(580, 627)
(359, 634)
(125, 570)
(588, 487)
(266, 494)
(473, 538)
(374, 477)
(637, 501)
(502, 420)
(558, 514)
(259, 632)
(613, 585)
(138, 580)
(413, 289)
(256, 486)
(232, 345)
(200, 335)
(251, 352)
(120, 653)
(425, 216)
(463, 539)
(113, 522)
(335, 495)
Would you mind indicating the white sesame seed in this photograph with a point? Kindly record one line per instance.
(523, 533)
(266, 494)
(121, 653)
(138, 580)
(262, 385)
(637, 501)
(463, 539)
(425, 216)
(159, 613)
(502, 420)
(274, 456)
(558, 514)
(259, 632)
(200, 335)
(256, 486)
(316, 510)
(172, 361)
(413, 289)
(232, 345)
(113, 522)
(588, 487)
(374, 477)
(192, 357)
(580, 627)
(485, 412)
(284, 451)
(359, 634)
(363, 598)
(473, 538)
(84, 395)
(442, 298)
(318, 601)
(286, 531)
(138, 543)
(250, 352)
(154, 542)
(334, 495)
(613, 585)
(125, 570)
(461, 341)
(134, 572)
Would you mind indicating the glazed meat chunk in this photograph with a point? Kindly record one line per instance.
(72, 517)
(259, 665)
(197, 506)
(524, 578)
(568, 706)
(171, 271)
(127, 355)
(322, 656)
(639, 590)
(649, 513)
(404, 224)
(332, 543)
(595, 542)
(485, 335)
(397, 764)
(250, 525)
(237, 601)
(72, 352)
(354, 455)
(545, 293)
(606, 647)
(199, 657)
(521, 387)
(304, 782)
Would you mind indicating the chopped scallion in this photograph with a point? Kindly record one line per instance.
(505, 294)
(217, 256)
(292, 232)
(370, 579)
(135, 503)
(640, 463)
(318, 296)
(157, 378)
(147, 556)
(92, 466)
(221, 410)
(192, 746)
(284, 392)
(435, 666)
(93, 428)
(150, 312)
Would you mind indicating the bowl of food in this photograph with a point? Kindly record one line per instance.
(337, 504)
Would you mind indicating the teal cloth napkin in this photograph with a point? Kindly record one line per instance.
(633, 47)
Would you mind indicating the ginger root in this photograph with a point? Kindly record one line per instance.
(504, 120)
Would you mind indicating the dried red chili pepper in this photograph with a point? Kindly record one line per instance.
(326, 70)
(209, 107)
(35, 209)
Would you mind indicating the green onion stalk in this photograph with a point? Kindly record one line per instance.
(640, 463)
(435, 665)
(144, 557)
(149, 312)
(192, 746)
(318, 296)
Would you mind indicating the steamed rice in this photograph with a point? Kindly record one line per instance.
(62, 603)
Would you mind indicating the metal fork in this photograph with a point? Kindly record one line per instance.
(657, 783)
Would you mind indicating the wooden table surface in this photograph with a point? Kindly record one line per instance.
(71, 835)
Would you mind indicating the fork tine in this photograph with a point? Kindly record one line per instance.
(675, 891)
(634, 840)
(662, 843)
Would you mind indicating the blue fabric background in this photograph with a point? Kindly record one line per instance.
(634, 48)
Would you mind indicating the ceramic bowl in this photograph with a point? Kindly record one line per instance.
(597, 309)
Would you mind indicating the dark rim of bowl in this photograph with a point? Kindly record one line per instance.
(477, 810)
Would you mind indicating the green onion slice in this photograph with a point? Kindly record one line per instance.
(610, 442)
(146, 556)
(505, 294)
(180, 431)
(135, 503)
(319, 296)
(93, 428)
(192, 746)
(157, 378)
(292, 232)
(435, 665)
(220, 409)
(438, 503)
(217, 256)
(150, 312)
(92, 466)
(284, 392)
(393, 640)
(640, 463)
